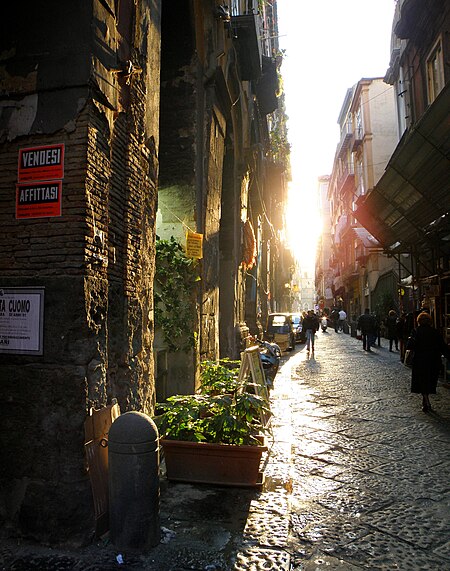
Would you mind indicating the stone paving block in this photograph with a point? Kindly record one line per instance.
(331, 471)
(420, 427)
(424, 481)
(278, 477)
(328, 424)
(331, 533)
(266, 530)
(259, 559)
(314, 487)
(421, 522)
(375, 484)
(311, 447)
(318, 561)
(277, 503)
(443, 551)
(356, 460)
(364, 429)
(279, 452)
(433, 450)
(340, 440)
(352, 502)
(381, 552)
(302, 465)
(305, 513)
(390, 453)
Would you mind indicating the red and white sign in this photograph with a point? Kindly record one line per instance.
(41, 163)
(38, 200)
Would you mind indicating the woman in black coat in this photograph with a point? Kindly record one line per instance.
(428, 346)
(391, 326)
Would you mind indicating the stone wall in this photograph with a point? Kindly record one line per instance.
(95, 261)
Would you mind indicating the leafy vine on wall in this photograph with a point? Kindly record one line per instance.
(174, 294)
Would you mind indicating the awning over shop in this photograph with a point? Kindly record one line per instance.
(414, 193)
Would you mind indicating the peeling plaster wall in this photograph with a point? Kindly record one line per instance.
(179, 191)
(87, 77)
(215, 152)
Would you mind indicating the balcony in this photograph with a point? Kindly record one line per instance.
(346, 180)
(248, 47)
(346, 137)
(357, 139)
(267, 86)
(411, 12)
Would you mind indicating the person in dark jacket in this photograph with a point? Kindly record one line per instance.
(428, 346)
(367, 325)
(335, 318)
(310, 325)
(402, 334)
(391, 326)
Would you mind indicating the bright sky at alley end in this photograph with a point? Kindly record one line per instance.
(329, 47)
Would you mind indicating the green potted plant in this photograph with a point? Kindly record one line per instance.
(216, 435)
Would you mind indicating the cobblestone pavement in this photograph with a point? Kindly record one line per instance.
(356, 477)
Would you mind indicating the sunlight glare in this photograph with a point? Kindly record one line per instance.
(304, 225)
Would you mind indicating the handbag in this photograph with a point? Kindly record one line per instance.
(409, 358)
(409, 353)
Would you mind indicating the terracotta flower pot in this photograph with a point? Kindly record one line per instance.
(221, 464)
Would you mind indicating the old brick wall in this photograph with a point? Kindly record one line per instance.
(96, 263)
(43, 399)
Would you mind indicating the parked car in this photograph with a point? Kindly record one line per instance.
(296, 320)
(279, 330)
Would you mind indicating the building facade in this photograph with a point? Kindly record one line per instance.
(324, 273)
(363, 275)
(408, 209)
(120, 122)
(223, 171)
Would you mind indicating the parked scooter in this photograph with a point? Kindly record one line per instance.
(270, 358)
(324, 323)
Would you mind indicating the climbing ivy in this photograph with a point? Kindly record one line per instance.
(174, 289)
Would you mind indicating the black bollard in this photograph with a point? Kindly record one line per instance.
(133, 475)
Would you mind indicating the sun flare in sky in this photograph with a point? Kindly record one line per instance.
(328, 47)
(304, 225)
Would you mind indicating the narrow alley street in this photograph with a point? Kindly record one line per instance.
(357, 477)
(370, 470)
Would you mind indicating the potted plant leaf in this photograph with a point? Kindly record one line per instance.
(215, 435)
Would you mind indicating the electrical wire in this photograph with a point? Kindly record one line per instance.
(160, 203)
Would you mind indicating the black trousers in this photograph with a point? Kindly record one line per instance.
(393, 341)
(365, 341)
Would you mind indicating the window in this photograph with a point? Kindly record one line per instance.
(435, 72)
(361, 187)
(359, 126)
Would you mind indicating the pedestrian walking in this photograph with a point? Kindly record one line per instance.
(428, 346)
(311, 325)
(377, 336)
(342, 320)
(335, 318)
(391, 326)
(402, 334)
(367, 325)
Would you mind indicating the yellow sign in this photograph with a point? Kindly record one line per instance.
(194, 245)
